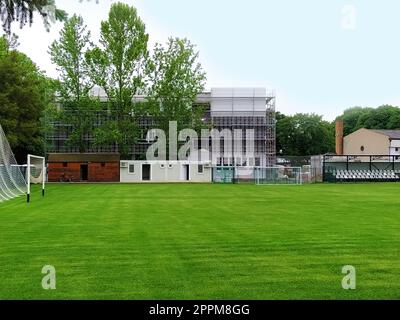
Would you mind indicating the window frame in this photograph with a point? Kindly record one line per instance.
(202, 168)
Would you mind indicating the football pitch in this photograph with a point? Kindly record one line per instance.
(117, 241)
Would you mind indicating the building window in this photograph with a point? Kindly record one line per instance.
(170, 166)
(362, 148)
(131, 168)
(65, 164)
(162, 166)
(397, 149)
(257, 162)
(200, 169)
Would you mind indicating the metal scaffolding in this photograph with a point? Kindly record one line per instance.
(238, 114)
(270, 138)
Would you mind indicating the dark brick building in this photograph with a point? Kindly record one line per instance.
(83, 167)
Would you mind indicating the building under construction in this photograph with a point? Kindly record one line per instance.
(243, 109)
(224, 108)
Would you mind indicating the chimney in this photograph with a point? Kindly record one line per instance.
(339, 137)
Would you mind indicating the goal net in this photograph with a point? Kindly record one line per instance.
(12, 182)
(278, 176)
(223, 175)
(35, 173)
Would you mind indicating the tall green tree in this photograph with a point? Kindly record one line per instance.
(304, 135)
(351, 118)
(383, 117)
(22, 11)
(68, 54)
(175, 79)
(117, 66)
(78, 109)
(24, 94)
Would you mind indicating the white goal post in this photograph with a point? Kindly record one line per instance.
(35, 174)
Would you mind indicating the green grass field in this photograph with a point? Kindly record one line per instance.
(202, 242)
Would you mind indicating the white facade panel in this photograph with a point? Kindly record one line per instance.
(238, 101)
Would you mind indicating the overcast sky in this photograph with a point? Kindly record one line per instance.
(319, 56)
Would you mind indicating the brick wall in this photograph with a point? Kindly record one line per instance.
(57, 170)
(107, 173)
(96, 172)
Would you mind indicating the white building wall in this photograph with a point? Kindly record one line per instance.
(165, 172)
(126, 175)
(395, 148)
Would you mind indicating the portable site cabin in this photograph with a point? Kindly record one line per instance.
(166, 171)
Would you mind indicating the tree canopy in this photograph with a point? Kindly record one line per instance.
(175, 79)
(78, 108)
(24, 94)
(22, 11)
(304, 135)
(383, 117)
(117, 66)
(68, 54)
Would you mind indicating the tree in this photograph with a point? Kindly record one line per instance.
(79, 117)
(117, 67)
(24, 94)
(68, 54)
(351, 118)
(78, 108)
(23, 10)
(384, 117)
(51, 114)
(304, 135)
(176, 78)
(283, 132)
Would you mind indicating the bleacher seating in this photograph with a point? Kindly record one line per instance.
(367, 176)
